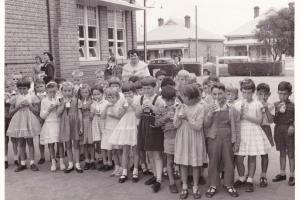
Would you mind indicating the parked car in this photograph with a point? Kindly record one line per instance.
(166, 64)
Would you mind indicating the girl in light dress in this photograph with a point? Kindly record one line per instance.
(50, 129)
(97, 111)
(71, 129)
(189, 142)
(253, 139)
(125, 133)
(85, 98)
(24, 124)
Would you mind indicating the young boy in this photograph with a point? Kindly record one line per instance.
(159, 75)
(232, 94)
(263, 93)
(284, 133)
(150, 137)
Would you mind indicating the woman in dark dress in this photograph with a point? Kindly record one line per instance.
(48, 68)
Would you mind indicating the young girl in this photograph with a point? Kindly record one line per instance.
(50, 129)
(189, 141)
(24, 124)
(77, 76)
(232, 94)
(253, 140)
(84, 95)
(222, 141)
(40, 91)
(97, 112)
(111, 117)
(150, 136)
(71, 130)
(165, 118)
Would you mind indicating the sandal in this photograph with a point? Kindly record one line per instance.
(122, 178)
(211, 192)
(197, 194)
(184, 194)
(232, 191)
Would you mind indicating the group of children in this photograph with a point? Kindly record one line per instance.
(162, 125)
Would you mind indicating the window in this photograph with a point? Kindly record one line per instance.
(88, 30)
(116, 33)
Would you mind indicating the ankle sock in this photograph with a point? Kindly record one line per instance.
(135, 171)
(61, 161)
(249, 180)
(242, 178)
(124, 172)
(53, 161)
(195, 188)
(23, 162)
(31, 162)
(184, 186)
(282, 172)
(77, 165)
(70, 165)
(143, 166)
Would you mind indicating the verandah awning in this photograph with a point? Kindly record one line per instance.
(120, 4)
(164, 46)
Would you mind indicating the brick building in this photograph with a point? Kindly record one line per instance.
(176, 37)
(80, 34)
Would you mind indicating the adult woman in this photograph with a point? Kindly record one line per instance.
(37, 68)
(48, 68)
(135, 67)
(112, 69)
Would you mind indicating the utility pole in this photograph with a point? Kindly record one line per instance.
(145, 33)
(196, 30)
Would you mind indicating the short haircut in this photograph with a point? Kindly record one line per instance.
(148, 81)
(247, 84)
(97, 87)
(213, 78)
(51, 84)
(285, 86)
(133, 79)
(183, 73)
(39, 81)
(160, 73)
(167, 81)
(49, 55)
(84, 86)
(114, 80)
(219, 86)
(232, 89)
(132, 51)
(67, 84)
(192, 78)
(128, 86)
(138, 85)
(39, 57)
(23, 82)
(190, 91)
(168, 92)
(263, 87)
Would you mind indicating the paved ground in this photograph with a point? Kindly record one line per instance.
(45, 185)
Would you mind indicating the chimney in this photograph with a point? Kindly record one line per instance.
(187, 21)
(256, 11)
(160, 21)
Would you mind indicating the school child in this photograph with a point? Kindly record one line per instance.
(16, 76)
(116, 113)
(150, 137)
(207, 84)
(111, 116)
(222, 141)
(181, 79)
(159, 75)
(71, 129)
(50, 129)
(100, 78)
(8, 98)
(97, 109)
(85, 97)
(189, 141)
(284, 133)
(165, 119)
(40, 92)
(77, 80)
(268, 111)
(24, 124)
(232, 94)
(125, 133)
(254, 141)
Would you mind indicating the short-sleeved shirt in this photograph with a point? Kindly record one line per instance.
(271, 109)
(140, 70)
(285, 116)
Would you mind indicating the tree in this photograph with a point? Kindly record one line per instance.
(277, 32)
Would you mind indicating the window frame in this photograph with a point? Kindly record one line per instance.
(115, 34)
(86, 38)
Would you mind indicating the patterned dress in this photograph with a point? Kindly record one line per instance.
(98, 123)
(253, 139)
(189, 142)
(87, 123)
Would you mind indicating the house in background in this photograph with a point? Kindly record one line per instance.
(178, 38)
(242, 41)
(80, 34)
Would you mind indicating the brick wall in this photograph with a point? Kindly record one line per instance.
(26, 34)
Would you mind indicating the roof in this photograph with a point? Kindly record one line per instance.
(248, 29)
(163, 46)
(121, 4)
(174, 29)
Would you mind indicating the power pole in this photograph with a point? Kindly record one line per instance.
(145, 33)
(196, 24)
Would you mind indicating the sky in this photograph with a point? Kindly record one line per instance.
(217, 16)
